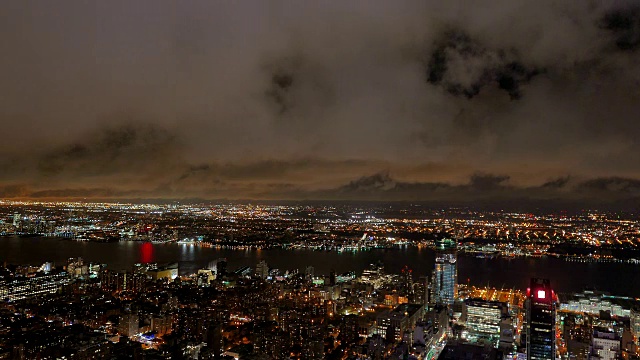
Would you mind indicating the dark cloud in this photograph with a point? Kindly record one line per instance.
(512, 75)
(612, 184)
(479, 189)
(557, 183)
(484, 182)
(484, 187)
(379, 181)
(624, 25)
(280, 90)
(295, 85)
(463, 67)
(269, 170)
(382, 186)
(131, 146)
(281, 82)
(194, 170)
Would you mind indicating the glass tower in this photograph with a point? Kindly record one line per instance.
(445, 273)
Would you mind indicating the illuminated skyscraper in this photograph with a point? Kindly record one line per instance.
(407, 282)
(445, 273)
(540, 320)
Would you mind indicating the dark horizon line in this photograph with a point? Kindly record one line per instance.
(630, 205)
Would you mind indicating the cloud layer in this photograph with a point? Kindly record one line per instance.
(278, 100)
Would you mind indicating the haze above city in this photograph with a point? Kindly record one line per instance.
(377, 100)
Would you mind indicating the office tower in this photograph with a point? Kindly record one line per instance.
(484, 320)
(221, 267)
(540, 320)
(407, 282)
(349, 328)
(262, 270)
(445, 273)
(128, 324)
(135, 282)
(218, 267)
(214, 340)
(123, 281)
(16, 220)
(311, 333)
(420, 291)
(392, 325)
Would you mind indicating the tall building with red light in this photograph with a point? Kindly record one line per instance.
(540, 320)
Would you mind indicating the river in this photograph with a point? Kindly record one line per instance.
(616, 278)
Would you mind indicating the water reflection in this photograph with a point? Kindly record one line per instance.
(146, 253)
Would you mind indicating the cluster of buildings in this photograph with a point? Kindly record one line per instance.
(80, 310)
(27, 224)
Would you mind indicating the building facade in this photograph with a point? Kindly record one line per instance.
(483, 320)
(635, 324)
(22, 287)
(605, 345)
(540, 321)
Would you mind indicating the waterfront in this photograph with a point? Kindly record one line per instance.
(616, 278)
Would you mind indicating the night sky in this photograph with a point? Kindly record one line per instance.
(358, 100)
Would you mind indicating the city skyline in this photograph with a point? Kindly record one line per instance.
(109, 281)
(307, 180)
(414, 100)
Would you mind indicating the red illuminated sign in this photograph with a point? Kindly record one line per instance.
(542, 294)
